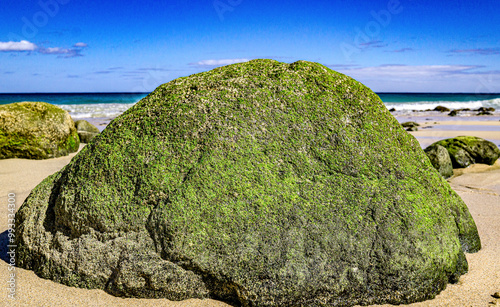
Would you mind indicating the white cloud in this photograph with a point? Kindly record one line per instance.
(17, 46)
(24, 45)
(219, 62)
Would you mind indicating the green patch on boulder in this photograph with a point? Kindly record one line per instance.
(36, 130)
(440, 159)
(86, 131)
(260, 183)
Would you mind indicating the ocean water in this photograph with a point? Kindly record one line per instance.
(425, 101)
(92, 105)
(110, 105)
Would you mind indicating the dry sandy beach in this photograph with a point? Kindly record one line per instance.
(479, 187)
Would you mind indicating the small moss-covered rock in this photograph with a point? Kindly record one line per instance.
(440, 159)
(36, 130)
(441, 109)
(467, 150)
(484, 109)
(86, 131)
(410, 124)
(260, 183)
(484, 113)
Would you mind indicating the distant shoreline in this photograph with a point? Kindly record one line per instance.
(378, 93)
(77, 93)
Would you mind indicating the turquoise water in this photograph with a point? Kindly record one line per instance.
(97, 105)
(424, 101)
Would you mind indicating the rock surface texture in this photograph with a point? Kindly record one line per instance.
(36, 130)
(441, 109)
(440, 159)
(261, 184)
(467, 150)
(410, 126)
(86, 131)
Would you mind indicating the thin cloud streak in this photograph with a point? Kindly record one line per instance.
(153, 69)
(62, 52)
(477, 51)
(212, 62)
(137, 71)
(427, 78)
(342, 66)
(402, 50)
(373, 44)
(103, 72)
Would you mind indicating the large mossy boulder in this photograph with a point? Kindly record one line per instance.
(467, 150)
(36, 130)
(260, 183)
(86, 131)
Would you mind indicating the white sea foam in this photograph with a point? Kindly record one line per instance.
(425, 105)
(111, 110)
(97, 110)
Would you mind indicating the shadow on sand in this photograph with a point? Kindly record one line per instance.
(4, 241)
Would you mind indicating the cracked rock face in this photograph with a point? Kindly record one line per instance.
(262, 184)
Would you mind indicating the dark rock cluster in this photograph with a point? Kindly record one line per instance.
(460, 152)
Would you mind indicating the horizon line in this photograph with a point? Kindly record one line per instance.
(87, 93)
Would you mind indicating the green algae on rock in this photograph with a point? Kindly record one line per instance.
(440, 159)
(36, 130)
(261, 184)
(86, 131)
(467, 150)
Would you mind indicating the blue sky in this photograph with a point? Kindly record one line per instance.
(124, 46)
